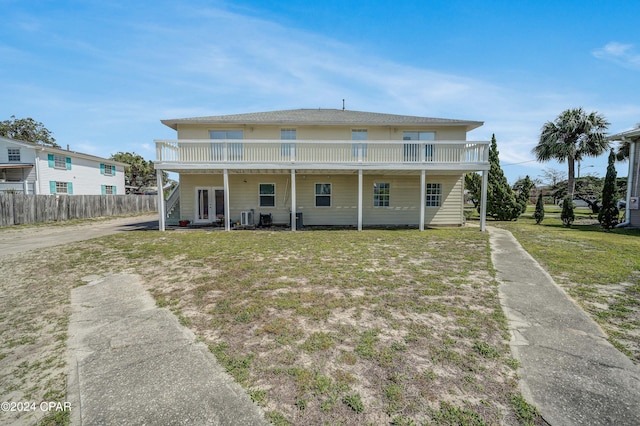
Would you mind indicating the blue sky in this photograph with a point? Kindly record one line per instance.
(102, 74)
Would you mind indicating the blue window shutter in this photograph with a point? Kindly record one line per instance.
(68, 160)
(114, 189)
(103, 188)
(52, 186)
(69, 188)
(52, 162)
(101, 168)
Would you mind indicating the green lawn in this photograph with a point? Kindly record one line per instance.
(600, 270)
(320, 327)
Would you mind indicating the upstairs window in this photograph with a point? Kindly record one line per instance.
(359, 135)
(107, 169)
(59, 162)
(225, 134)
(412, 150)
(235, 151)
(13, 155)
(287, 135)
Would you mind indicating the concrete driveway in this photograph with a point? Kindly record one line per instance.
(15, 240)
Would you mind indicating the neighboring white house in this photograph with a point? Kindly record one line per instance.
(321, 166)
(35, 169)
(632, 212)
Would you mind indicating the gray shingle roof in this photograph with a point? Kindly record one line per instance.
(629, 134)
(329, 117)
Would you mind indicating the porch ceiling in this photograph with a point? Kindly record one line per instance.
(15, 166)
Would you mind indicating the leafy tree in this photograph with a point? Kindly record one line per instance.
(501, 202)
(539, 213)
(608, 216)
(473, 185)
(27, 130)
(522, 189)
(573, 135)
(140, 172)
(567, 216)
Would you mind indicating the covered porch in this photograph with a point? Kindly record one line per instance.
(355, 198)
(15, 178)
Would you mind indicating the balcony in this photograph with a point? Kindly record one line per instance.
(17, 187)
(211, 154)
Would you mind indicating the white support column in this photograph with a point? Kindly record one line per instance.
(161, 213)
(633, 166)
(227, 218)
(294, 219)
(360, 200)
(423, 196)
(483, 200)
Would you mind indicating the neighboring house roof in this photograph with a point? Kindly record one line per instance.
(62, 151)
(328, 117)
(629, 134)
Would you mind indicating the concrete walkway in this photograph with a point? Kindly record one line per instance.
(132, 363)
(15, 240)
(568, 369)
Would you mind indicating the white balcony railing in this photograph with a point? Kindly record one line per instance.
(18, 187)
(279, 152)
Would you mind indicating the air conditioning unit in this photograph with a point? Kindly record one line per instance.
(246, 218)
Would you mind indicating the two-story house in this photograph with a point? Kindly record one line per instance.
(35, 169)
(321, 167)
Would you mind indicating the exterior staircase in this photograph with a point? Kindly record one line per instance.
(172, 205)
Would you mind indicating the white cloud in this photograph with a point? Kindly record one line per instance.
(619, 53)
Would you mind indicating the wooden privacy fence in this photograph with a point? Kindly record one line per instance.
(18, 209)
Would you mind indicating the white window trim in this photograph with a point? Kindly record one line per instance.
(57, 159)
(13, 152)
(433, 197)
(388, 195)
(60, 185)
(316, 195)
(111, 170)
(260, 195)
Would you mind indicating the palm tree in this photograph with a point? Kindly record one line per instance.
(573, 135)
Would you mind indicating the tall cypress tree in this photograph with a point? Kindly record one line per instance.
(523, 192)
(539, 213)
(501, 202)
(608, 215)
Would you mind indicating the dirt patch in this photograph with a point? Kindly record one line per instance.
(320, 327)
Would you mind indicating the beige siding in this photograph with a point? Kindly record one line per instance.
(404, 206)
(188, 184)
(319, 132)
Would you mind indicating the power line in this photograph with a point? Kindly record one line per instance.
(522, 162)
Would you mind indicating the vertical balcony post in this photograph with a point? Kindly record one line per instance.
(359, 199)
(423, 197)
(294, 218)
(161, 213)
(483, 200)
(227, 209)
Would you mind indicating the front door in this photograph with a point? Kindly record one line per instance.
(204, 205)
